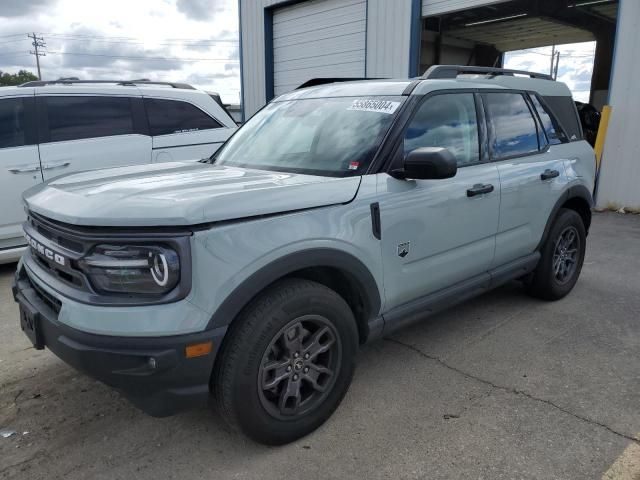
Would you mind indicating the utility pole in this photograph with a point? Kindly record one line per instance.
(37, 42)
(553, 59)
(555, 69)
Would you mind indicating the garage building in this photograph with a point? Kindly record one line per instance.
(286, 43)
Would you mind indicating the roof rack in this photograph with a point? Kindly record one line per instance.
(452, 71)
(314, 82)
(73, 81)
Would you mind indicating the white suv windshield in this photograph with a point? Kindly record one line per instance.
(325, 136)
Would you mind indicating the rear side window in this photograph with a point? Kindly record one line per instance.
(173, 116)
(565, 111)
(448, 121)
(554, 133)
(12, 118)
(74, 118)
(514, 129)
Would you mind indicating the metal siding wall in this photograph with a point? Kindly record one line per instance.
(437, 7)
(388, 38)
(253, 72)
(387, 45)
(318, 38)
(620, 172)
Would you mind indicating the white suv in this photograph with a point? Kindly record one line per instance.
(52, 128)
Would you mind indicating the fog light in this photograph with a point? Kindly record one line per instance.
(153, 364)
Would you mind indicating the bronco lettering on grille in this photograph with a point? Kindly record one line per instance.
(44, 251)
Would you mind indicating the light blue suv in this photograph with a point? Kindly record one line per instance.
(336, 215)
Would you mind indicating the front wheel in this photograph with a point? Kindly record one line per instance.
(288, 362)
(562, 257)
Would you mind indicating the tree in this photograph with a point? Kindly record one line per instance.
(7, 79)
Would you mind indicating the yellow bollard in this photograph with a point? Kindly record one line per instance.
(602, 134)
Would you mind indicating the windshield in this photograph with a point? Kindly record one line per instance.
(324, 136)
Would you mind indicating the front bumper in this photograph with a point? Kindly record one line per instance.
(152, 372)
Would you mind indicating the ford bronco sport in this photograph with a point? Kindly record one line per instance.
(336, 215)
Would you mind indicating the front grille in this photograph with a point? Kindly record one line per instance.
(70, 278)
(50, 301)
(60, 241)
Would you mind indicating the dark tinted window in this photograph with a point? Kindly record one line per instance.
(11, 122)
(565, 111)
(554, 133)
(447, 121)
(514, 128)
(72, 118)
(174, 116)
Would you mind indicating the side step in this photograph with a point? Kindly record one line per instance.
(419, 309)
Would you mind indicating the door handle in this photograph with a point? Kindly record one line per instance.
(479, 189)
(25, 169)
(549, 174)
(50, 166)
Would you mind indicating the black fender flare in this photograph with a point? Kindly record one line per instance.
(317, 257)
(575, 191)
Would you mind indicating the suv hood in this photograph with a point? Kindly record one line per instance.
(182, 194)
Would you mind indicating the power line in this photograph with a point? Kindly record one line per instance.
(169, 41)
(519, 53)
(129, 57)
(213, 43)
(219, 43)
(12, 35)
(38, 42)
(11, 54)
(13, 41)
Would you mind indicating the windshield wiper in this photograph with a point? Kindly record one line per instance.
(210, 159)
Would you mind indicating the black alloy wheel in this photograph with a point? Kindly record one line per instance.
(298, 368)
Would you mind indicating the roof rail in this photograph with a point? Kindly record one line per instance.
(452, 71)
(324, 81)
(72, 81)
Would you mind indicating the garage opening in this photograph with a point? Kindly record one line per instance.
(514, 33)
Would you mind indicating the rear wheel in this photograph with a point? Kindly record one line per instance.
(288, 361)
(562, 257)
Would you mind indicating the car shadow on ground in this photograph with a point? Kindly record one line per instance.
(52, 397)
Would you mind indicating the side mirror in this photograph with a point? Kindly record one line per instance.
(428, 163)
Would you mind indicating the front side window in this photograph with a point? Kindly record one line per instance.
(11, 122)
(447, 121)
(324, 136)
(514, 129)
(78, 117)
(174, 116)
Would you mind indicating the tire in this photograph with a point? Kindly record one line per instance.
(258, 362)
(547, 281)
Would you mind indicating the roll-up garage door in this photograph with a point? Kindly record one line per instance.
(320, 38)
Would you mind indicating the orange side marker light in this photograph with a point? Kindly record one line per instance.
(198, 349)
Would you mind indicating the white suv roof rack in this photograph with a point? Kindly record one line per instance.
(73, 81)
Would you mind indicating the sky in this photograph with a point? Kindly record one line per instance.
(193, 41)
(575, 67)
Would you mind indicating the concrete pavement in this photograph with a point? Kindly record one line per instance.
(503, 386)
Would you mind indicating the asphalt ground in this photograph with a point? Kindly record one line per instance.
(503, 386)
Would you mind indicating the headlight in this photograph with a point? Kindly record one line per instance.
(132, 269)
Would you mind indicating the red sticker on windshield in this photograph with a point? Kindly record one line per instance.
(354, 165)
